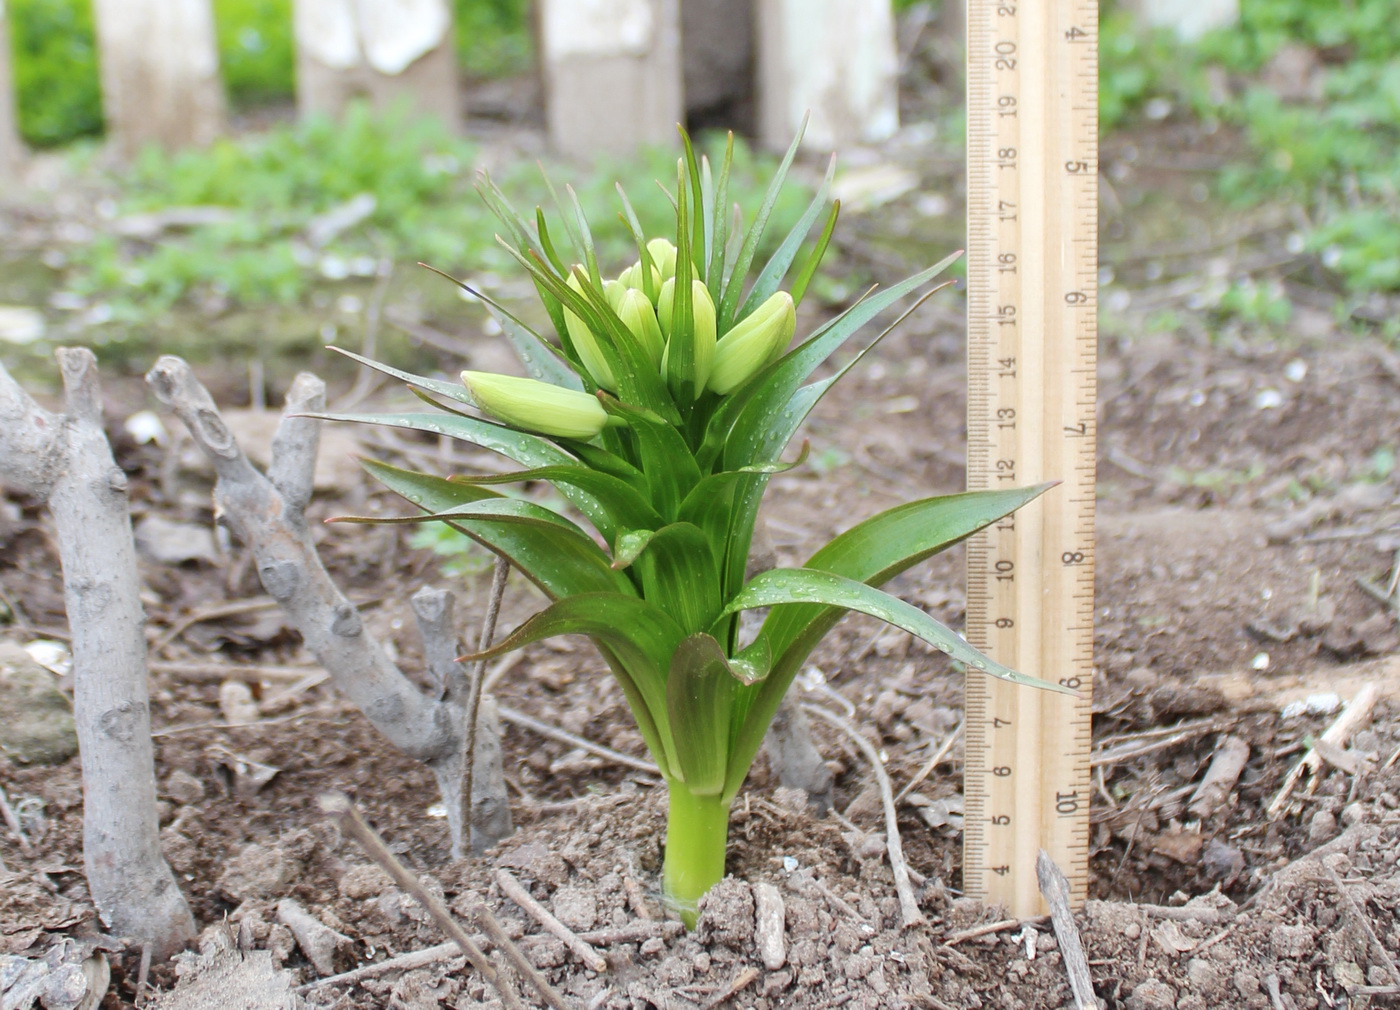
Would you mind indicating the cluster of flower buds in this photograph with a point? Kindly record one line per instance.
(645, 305)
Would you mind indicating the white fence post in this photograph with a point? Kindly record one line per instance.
(833, 58)
(612, 73)
(390, 52)
(1190, 19)
(160, 72)
(11, 149)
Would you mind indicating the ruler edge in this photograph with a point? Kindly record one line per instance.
(980, 24)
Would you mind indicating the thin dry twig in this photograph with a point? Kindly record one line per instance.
(474, 682)
(987, 928)
(1352, 717)
(513, 890)
(544, 729)
(237, 608)
(633, 932)
(1141, 744)
(1231, 755)
(230, 671)
(1358, 914)
(1055, 888)
(352, 823)
(13, 821)
(931, 763)
(908, 905)
(741, 981)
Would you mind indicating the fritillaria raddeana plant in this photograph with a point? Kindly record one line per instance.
(659, 408)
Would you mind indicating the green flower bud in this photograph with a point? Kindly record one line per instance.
(537, 406)
(702, 332)
(637, 315)
(613, 291)
(586, 343)
(753, 342)
(632, 278)
(663, 254)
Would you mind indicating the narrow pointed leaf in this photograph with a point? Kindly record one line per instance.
(451, 390)
(780, 586)
(873, 552)
(814, 259)
(733, 289)
(620, 503)
(551, 551)
(770, 278)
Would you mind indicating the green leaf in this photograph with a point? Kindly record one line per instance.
(719, 233)
(540, 358)
(780, 586)
(677, 572)
(451, 390)
(524, 448)
(773, 272)
(639, 640)
(666, 460)
(551, 551)
(873, 552)
(699, 700)
(734, 284)
(814, 259)
(765, 402)
(619, 503)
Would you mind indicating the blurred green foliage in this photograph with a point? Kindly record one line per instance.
(55, 68)
(1335, 154)
(256, 53)
(56, 60)
(273, 185)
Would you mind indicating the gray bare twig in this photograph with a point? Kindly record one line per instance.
(353, 824)
(1055, 889)
(268, 515)
(66, 460)
(909, 912)
(513, 890)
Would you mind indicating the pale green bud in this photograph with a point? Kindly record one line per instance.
(613, 291)
(753, 342)
(663, 254)
(703, 331)
(536, 406)
(586, 343)
(632, 278)
(637, 315)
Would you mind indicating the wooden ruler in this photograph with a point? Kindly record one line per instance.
(1032, 210)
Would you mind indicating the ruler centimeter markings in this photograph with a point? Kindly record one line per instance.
(1032, 275)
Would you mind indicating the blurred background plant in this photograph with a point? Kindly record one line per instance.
(1303, 99)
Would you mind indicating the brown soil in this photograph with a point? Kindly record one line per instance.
(1243, 493)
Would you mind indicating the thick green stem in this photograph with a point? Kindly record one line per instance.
(697, 831)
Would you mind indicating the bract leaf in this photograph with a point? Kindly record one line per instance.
(699, 701)
(639, 638)
(734, 283)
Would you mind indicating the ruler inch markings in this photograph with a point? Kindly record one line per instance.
(1032, 178)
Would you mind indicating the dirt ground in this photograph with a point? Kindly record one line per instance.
(1246, 488)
